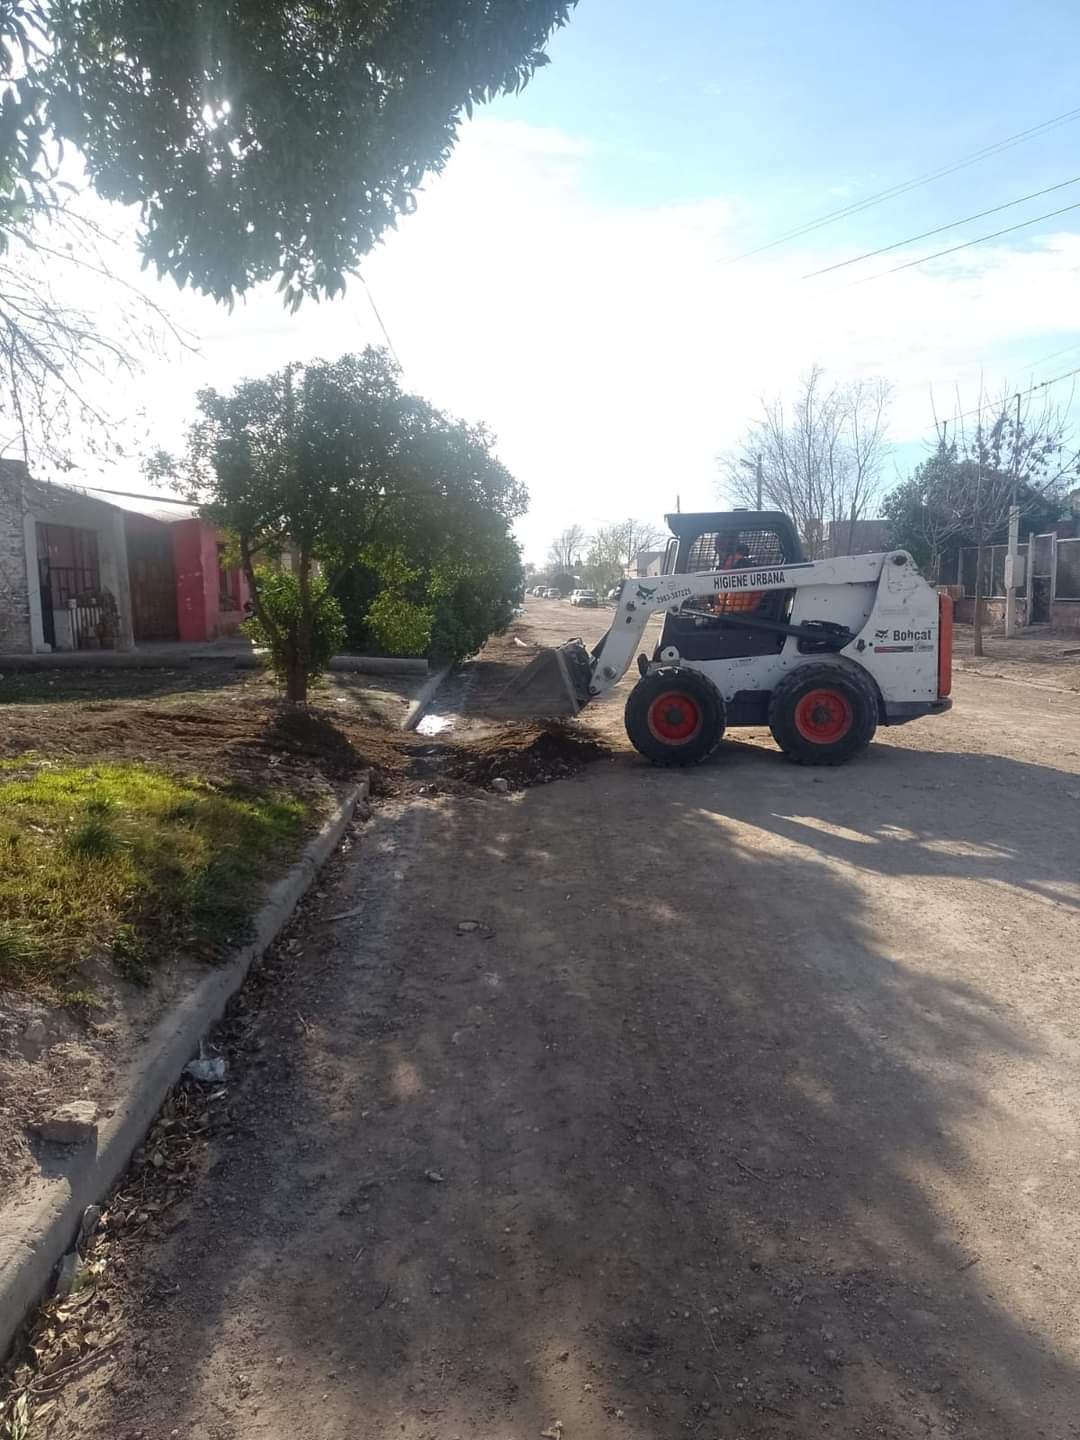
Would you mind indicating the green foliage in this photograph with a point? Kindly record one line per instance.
(25, 178)
(606, 558)
(563, 581)
(259, 139)
(337, 461)
(127, 862)
(300, 643)
(446, 611)
(398, 625)
(357, 591)
(474, 601)
(94, 838)
(961, 497)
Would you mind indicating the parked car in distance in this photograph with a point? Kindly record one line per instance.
(538, 590)
(550, 594)
(586, 598)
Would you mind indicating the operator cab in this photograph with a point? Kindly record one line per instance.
(710, 541)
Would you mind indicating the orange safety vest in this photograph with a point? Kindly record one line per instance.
(735, 602)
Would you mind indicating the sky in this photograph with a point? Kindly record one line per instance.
(578, 277)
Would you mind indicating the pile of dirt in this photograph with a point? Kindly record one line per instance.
(525, 754)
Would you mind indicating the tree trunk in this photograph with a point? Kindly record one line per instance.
(296, 684)
(977, 620)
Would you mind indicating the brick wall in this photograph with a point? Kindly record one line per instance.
(14, 596)
(1065, 618)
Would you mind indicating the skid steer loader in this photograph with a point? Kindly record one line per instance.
(820, 651)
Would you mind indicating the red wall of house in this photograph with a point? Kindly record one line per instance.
(198, 598)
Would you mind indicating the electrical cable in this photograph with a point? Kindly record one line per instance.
(952, 225)
(902, 189)
(979, 240)
(382, 326)
(991, 404)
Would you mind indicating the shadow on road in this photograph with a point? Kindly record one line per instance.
(903, 812)
(669, 1144)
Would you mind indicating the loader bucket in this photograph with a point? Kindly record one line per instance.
(553, 686)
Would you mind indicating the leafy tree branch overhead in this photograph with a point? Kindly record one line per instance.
(279, 138)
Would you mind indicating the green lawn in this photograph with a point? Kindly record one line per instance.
(127, 864)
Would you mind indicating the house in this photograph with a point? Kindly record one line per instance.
(857, 537)
(646, 562)
(82, 570)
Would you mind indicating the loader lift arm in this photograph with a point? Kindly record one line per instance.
(641, 599)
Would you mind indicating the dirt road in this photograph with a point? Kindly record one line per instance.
(734, 1102)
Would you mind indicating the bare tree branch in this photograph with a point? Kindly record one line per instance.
(822, 461)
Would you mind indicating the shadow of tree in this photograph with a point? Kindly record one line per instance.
(675, 1141)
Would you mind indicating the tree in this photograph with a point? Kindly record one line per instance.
(821, 461)
(258, 140)
(923, 511)
(631, 537)
(963, 493)
(604, 566)
(564, 552)
(61, 361)
(324, 467)
(613, 549)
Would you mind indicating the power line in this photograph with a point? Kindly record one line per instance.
(990, 404)
(903, 188)
(952, 225)
(979, 240)
(382, 327)
(1054, 354)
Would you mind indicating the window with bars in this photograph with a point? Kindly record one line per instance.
(709, 551)
(1068, 570)
(67, 562)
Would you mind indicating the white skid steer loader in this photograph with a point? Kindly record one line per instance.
(820, 651)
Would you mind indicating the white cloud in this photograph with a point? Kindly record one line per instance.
(610, 347)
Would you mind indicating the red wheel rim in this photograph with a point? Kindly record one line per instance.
(675, 717)
(823, 716)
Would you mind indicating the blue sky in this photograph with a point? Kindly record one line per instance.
(568, 278)
(784, 102)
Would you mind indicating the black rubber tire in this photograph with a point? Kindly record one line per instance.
(705, 703)
(854, 690)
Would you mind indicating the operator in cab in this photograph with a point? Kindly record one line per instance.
(734, 554)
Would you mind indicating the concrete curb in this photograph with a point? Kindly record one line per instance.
(424, 697)
(237, 660)
(351, 664)
(43, 1224)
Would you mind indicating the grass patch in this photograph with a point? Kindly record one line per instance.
(124, 863)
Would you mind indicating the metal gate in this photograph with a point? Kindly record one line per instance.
(153, 581)
(1042, 577)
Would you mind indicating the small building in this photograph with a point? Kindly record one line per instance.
(85, 571)
(857, 537)
(1048, 592)
(646, 562)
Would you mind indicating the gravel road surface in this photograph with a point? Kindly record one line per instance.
(733, 1102)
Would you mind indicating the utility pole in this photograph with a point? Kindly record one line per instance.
(756, 466)
(1013, 575)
